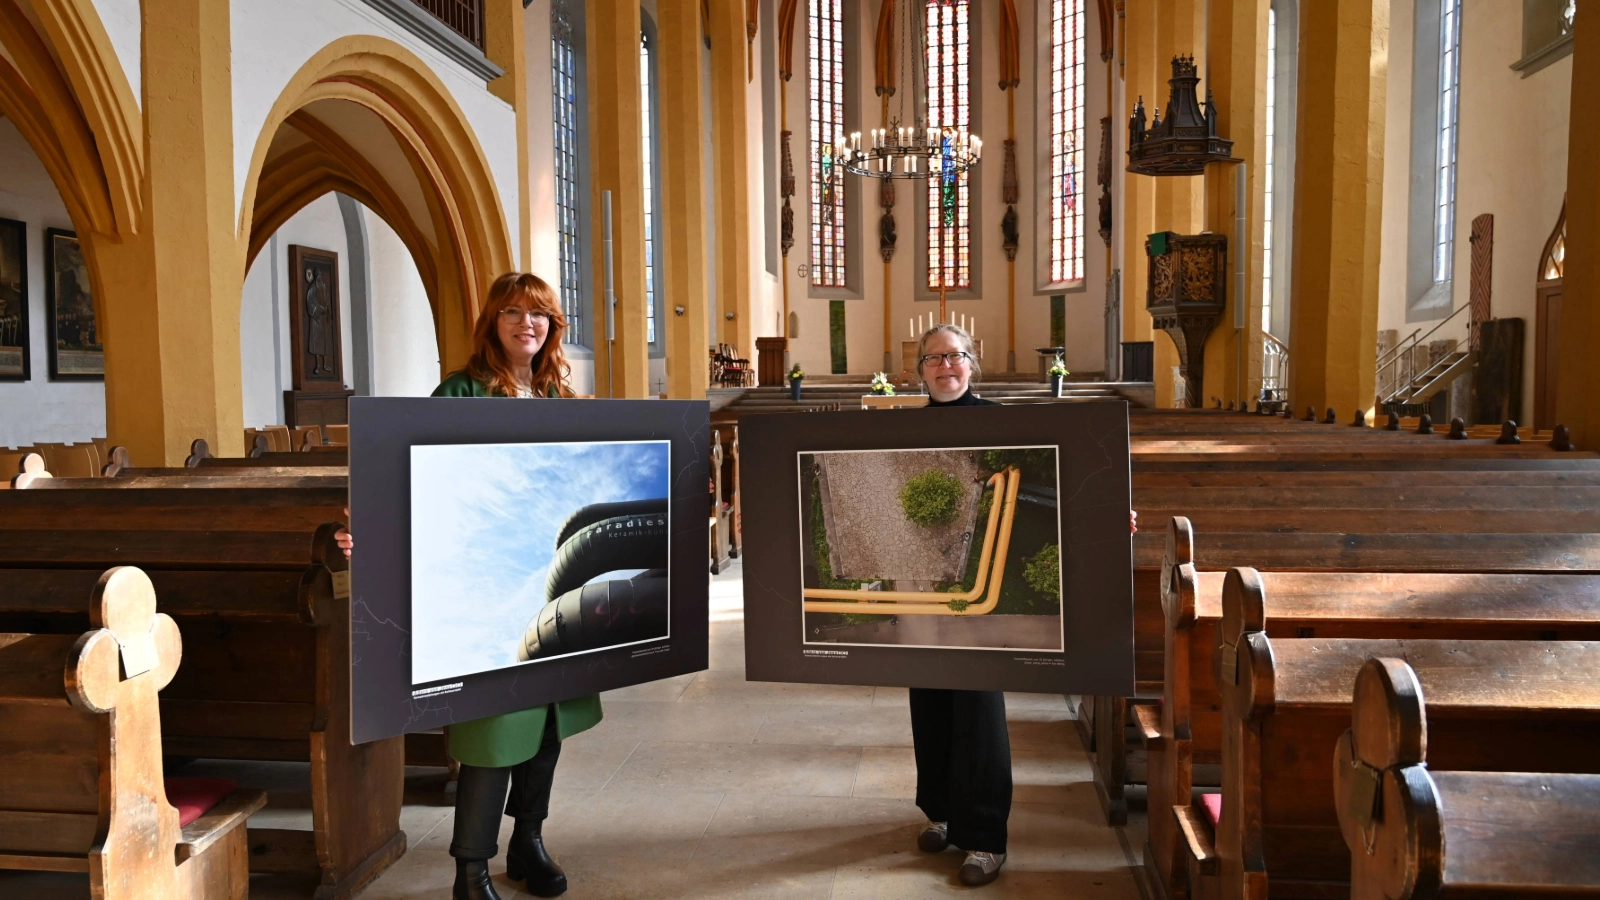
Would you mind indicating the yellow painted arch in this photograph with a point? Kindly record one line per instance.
(473, 246)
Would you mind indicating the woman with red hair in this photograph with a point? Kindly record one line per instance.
(516, 352)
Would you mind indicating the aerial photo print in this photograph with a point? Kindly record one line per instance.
(953, 548)
(522, 553)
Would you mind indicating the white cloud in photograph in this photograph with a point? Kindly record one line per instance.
(484, 519)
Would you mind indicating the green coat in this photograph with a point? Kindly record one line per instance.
(511, 738)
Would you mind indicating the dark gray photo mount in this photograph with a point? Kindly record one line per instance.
(1096, 551)
(385, 702)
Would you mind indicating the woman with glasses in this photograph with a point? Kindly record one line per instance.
(516, 352)
(959, 738)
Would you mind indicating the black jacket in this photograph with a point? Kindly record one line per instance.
(967, 399)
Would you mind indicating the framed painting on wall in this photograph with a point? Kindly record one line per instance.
(14, 357)
(76, 353)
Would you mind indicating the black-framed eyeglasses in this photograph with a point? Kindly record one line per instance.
(953, 358)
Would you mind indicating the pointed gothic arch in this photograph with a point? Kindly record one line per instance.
(1547, 322)
(367, 118)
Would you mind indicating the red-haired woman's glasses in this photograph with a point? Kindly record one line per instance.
(512, 314)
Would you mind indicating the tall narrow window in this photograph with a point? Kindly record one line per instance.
(564, 81)
(1444, 217)
(1272, 132)
(648, 130)
(827, 123)
(1066, 140)
(949, 43)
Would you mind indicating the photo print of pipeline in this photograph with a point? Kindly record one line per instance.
(513, 554)
(932, 548)
(557, 549)
(977, 548)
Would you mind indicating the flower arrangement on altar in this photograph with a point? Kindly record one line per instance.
(881, 385)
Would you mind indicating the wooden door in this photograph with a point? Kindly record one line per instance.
(1547, 343)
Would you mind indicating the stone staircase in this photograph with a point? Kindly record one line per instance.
(822, 393)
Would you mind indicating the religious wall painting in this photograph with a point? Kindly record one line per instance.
(314, 327)
(15, 364)
(76, 351)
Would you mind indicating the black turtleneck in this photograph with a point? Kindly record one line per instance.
(966, 399)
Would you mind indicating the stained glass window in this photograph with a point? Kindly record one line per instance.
(1266, 218)
(949, 43)
(1066, 140)
(563, 65)
(645, 105)
(827, 123)
(1444, 217)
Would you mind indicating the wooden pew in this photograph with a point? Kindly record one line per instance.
(200, 455)
(1417, 831)
(1496, 706)
(81, 787)
(1313, 537)
(248, 568)
(1186, 729)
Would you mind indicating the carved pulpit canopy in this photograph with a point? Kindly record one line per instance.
(1183, 142)
(1186, 294)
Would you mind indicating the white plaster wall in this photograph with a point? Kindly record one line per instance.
(122, 24)
(864, 316)
(1511, 160)
(272, 41)
(264, 346)
(40, 409)
(405, 347)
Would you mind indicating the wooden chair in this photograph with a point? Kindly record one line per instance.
(81, 786)
(337, 434)
(1416, 830)
(11, 464)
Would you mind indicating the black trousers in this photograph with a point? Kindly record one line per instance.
(480, 791)
(963, 764)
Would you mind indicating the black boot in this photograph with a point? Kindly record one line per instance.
(526, 859)
(479, 793)
(472, 881)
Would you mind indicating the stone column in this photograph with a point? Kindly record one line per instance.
(1180, 29)
(1578, 377)
(730, 117)
(683, 238)
(172, 360)
(1338, 204)
(1139, 191)
(1237, 72)
(616, 164)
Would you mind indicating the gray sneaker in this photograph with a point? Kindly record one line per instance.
(935, 838)
(981, 868)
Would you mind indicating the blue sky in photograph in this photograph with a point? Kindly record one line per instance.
(484, 519)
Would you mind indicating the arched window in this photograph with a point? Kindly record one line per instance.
(949, 210)
(647, 107)
(1067, 180)
(569, 154)
(829, 251)
(1430, 250)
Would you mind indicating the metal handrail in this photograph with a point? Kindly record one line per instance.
(1407, 347)
(1282, 347)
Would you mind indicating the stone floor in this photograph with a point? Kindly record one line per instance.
(709, 786)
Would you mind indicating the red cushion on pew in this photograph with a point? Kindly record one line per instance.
(1212, 805)
(193, 796)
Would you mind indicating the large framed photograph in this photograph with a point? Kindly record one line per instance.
(514, 554)
(76, 353)
(983, 548)
(15, 355)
